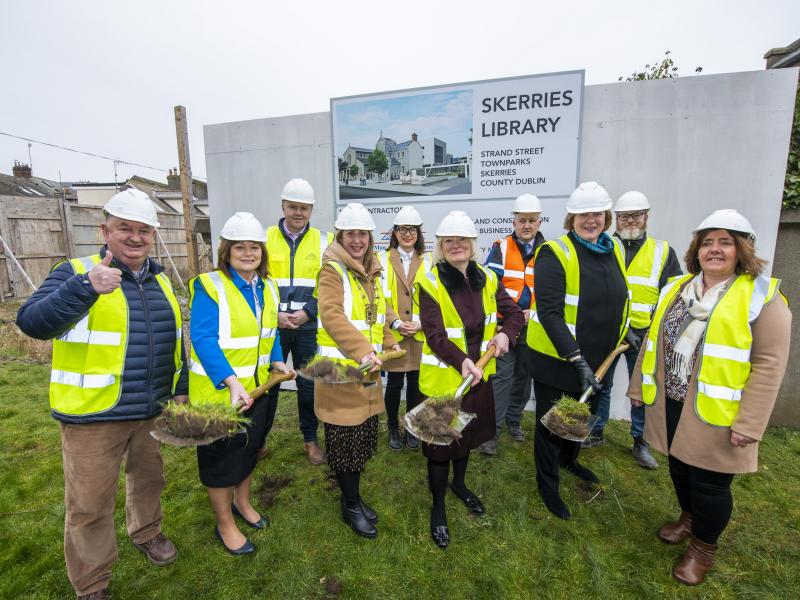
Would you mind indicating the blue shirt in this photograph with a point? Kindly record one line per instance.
(205, 329)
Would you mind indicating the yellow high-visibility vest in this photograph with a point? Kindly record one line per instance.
(643, 275)
(436, 377)
(245, 342)
(299, 270)
(389, 284)
(89, 358)
(564, 251)
(355, 309)
(724, 352)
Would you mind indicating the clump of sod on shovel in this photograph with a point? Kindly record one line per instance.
(201, 424)
(571, 419)
(331, 371)
(439, 420)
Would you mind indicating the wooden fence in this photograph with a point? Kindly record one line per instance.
(43, 231)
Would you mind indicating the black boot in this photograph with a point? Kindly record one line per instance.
(555, 504)
(395, 443)
(359, 523)
(371, 515)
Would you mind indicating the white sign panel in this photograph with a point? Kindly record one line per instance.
(483, 140)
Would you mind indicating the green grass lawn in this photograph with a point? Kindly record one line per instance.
(607, 550)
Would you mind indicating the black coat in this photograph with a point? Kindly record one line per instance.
(64, 298)
(603, 294)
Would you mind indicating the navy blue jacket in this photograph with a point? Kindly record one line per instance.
(298, 293)
(63, 300)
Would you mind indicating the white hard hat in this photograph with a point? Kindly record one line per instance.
(630, 201)
(243, 226)
(727, 218)
(588, 197)
(134, 205)
(457, 224)
(298, 190)
(527, 203)
(354, 216)
(407, 215)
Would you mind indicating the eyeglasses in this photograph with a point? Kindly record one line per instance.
(630, 217)
(406, 230)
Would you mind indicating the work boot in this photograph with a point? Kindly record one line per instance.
(412, 441)
(594, 439)
(488, 448)
(641, 452)
(354, 516)
(676, 532)
(515, 432)
(159, 549)
(395, 443)
(695, 563)
(316, 455)
(103, 594)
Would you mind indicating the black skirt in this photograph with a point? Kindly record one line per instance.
(229, 461)
(349, 447)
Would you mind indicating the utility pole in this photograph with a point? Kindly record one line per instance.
(182, 134)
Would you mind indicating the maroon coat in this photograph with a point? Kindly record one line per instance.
(465, 292)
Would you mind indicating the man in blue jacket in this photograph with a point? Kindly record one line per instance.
(117, 356)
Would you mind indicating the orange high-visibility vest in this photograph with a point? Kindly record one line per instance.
(516, 273)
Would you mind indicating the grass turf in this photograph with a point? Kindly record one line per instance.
(607, 549)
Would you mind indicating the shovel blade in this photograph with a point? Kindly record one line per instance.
(555, 425)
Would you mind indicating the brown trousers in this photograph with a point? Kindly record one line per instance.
(92, 455)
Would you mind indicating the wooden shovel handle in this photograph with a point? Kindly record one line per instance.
(274, 380)
(383, 357)
(485, 357)
(604, 366)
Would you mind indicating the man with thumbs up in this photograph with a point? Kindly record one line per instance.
(117, 356)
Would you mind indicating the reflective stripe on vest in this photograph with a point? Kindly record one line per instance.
(643, 274)
(724, 354)
(436, 377)
(564, 251)
(516, 274)
(389, 284)
(299, 270)
(89, 358)
(356, 312)
(245, 343)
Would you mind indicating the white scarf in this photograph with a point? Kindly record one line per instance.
(699, 305)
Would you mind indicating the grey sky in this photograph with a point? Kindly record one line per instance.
(104, 76)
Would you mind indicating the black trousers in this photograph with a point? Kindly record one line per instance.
(302, 344)
(706, 494)
(394, 387)
(550, 451)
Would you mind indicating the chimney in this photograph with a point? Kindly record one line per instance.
(22, 170)
(174, 180)
(413, 137)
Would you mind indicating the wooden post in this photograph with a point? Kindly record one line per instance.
(182, 134)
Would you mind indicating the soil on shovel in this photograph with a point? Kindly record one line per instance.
(568, 418)
(331, 371)
(269, 488)
(436, 419)
(200, 422)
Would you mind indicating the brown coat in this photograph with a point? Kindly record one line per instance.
(706, 446)
(347, 404)
(404, 292)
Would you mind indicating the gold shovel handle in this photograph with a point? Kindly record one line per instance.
(603, 369)
(274, 380)
(481, 364)
(383, 357)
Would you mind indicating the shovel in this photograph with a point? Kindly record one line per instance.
(570, 419)
(460, 420)
(361, 370)
(162, 434)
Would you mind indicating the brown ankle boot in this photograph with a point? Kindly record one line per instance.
(698, 559)
(676, 532)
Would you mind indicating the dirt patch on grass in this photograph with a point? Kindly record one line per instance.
(332, 587)
(270, 487)
(14, 344)
(330, 483)
(589, 492)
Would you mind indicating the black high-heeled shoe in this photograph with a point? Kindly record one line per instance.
(262, 523)
(471, 501)
(247, 548)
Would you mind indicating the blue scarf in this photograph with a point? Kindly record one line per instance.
(603, 245)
